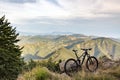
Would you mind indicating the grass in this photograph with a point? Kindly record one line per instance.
(93, 76)
(115, 72)
(38, 73)
(41, 72)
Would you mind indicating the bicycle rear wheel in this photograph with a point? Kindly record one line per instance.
(92, 64)
(71, 67)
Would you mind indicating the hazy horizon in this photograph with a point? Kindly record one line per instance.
(61, 33)
(88, 17)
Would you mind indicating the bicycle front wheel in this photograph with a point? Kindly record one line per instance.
(92, 64)
(71, 67)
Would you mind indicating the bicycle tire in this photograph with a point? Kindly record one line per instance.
(92, 64)
(70, 67)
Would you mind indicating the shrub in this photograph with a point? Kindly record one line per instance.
(29, 65)
(41, 74)
(38, 73)
(50, 64)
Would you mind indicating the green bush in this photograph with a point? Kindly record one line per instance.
(38, 73)
(50, 64)
(30, 65)
(41, 74)
(53, 65)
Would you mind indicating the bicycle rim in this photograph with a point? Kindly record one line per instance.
(92, 64)
(71, 67)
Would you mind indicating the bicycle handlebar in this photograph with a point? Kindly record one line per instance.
(87, 49)
(82, 49)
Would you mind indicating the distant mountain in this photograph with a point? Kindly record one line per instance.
(102, 46)
(115, 39)
(27, 33)
(52, 33)
(61, 33)
(60, 46)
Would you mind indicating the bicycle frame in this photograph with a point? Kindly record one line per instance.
(73, 65)
(83, 55)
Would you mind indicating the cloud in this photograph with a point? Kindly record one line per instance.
(19, 1)
(54, 2)
(42, 8)
(17, 11)
(109, 7)
(91, 8)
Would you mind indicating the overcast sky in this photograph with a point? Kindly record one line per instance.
(90, 17)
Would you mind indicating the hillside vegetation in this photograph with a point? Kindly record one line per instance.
(49, 70)
(60, 46)
(49, 50)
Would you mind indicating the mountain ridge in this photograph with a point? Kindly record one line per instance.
(54, 44)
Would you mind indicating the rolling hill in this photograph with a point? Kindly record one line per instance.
(60, 46)
(102, 46)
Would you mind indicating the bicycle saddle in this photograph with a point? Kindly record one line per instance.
(86, 49)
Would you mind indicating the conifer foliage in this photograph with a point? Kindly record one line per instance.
(10, 61)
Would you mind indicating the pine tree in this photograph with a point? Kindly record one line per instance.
(10, 53)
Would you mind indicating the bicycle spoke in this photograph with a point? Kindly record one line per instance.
(92, 64)
(70, 67)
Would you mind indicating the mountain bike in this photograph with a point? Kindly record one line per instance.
(73, 65)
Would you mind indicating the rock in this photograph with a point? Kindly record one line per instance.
(61, 65)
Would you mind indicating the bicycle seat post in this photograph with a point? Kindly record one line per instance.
(75, 51)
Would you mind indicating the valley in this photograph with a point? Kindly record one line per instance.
(60, 46)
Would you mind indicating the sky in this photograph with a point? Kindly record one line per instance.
(89, 17)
